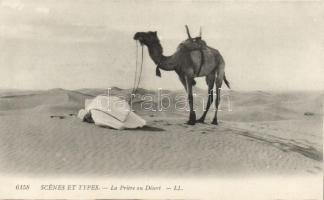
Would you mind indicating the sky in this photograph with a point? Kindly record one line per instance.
(89, 44)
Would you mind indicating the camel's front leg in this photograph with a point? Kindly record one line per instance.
(192, 116)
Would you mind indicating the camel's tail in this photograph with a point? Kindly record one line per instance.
(227, 82)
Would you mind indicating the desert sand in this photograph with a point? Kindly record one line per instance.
(259, 133)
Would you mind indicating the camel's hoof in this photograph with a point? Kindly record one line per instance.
(215, 122)
(192, 118)
(191, 122)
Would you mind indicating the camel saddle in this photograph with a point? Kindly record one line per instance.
(195, 44)
(184, 49)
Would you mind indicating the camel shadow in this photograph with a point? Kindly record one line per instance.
(148, 128)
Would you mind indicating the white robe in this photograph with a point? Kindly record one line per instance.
(111, 111)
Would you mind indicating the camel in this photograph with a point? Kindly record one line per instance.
(187, 64)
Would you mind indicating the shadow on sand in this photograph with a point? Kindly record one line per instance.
(148, 128)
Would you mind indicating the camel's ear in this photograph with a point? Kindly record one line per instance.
(155, 33)
(157, 72)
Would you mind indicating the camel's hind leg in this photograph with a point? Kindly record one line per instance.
(218, 83)
(218, 89)
(210, 80)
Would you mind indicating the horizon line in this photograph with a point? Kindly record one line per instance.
(199, 88)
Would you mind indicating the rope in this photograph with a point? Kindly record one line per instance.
(141, 69)
(136, 85)
(136, 61)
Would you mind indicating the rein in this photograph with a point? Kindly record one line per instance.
(136, 85)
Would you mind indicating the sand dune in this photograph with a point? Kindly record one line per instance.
(261, 133)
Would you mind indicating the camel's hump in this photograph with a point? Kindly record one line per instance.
(191, 45)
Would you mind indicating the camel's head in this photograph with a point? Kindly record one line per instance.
(146, 38)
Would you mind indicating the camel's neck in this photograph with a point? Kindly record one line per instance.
(156, 53)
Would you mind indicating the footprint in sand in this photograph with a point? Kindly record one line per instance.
(183, 125)
(317, 168)
(58, 116)
(62, 116)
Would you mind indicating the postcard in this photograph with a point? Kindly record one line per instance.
(160, 100)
